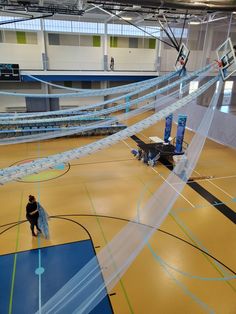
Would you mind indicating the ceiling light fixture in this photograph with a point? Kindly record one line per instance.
(194, 23)
(200, 3)
(127, 18)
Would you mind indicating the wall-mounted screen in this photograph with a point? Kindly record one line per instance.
(9, 72)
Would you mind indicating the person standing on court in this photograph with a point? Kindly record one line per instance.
(32, 214)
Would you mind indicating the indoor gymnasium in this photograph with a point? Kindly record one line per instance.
(118, 160)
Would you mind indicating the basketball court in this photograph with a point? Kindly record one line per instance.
(181, 268)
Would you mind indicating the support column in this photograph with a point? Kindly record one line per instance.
(158, 56)
(168, 128)
(104, 85)
(43, 45)
(105, 49)
(45, 90)
(180, 133)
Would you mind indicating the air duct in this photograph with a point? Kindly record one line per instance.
(223, 5)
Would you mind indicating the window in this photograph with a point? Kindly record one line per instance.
(53, 25)
(115, 29)
(28, 25)
(193, 86)
(57, 25)
(131, 30)
(224, 107)
(24, 25)
(87, 27)
(227, 93)
(177, 33)
(155, 31)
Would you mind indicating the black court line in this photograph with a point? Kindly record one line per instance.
(73, 221)
(41, 180)
(214, 201)
(14, 224)
(224, 209)
(136, 139)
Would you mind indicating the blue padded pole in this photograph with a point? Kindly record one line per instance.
(180, 133)
(168, 128)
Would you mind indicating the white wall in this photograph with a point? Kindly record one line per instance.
(70, 56)
(75, 58)
(28, 56)
(11, 101)
(133, 59)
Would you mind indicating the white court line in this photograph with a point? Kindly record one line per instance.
(166, 181)
(126, 144)
(173, 187)
(144, 136)
(211, 179)
(216, 186)
(208, 179)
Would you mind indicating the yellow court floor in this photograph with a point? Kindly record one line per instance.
(182, 267)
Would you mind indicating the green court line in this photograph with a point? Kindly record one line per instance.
(39, 248)
(15, 259)
(188, 235)
(105, 240)
(161, 262)
(204, 305)
(209, 260)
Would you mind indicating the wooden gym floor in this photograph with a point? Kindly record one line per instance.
(172, 274)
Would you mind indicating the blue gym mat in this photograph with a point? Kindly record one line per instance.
(60, 262)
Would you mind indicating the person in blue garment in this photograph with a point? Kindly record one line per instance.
(43, 221)
(37, 217)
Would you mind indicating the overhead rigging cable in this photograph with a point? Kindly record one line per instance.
(85, 289)
(17, 172)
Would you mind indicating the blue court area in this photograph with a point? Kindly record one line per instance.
(60, 263)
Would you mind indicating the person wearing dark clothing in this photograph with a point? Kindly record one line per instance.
(112, 64)
(32, 214)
